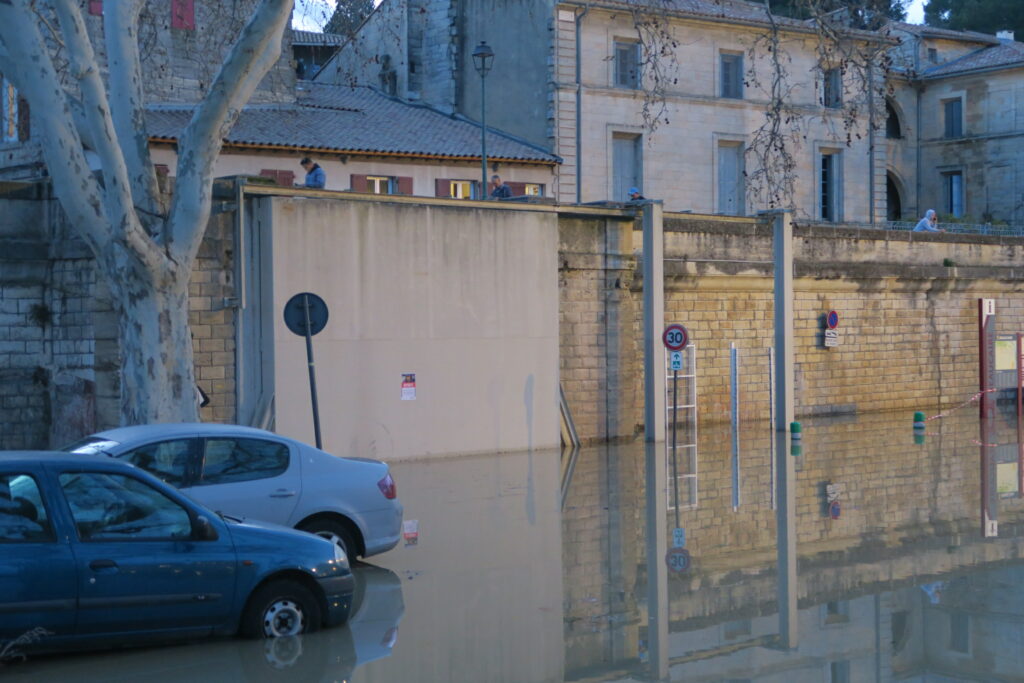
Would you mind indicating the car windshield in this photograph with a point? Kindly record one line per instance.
(90, 445)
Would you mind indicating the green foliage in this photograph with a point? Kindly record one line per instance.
(986, 16)
(348, 15)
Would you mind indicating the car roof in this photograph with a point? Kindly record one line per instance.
(16, 458)
(148, 431)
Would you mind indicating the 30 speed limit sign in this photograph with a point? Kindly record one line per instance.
(675, 337)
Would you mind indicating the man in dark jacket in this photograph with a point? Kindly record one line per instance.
(501, 190)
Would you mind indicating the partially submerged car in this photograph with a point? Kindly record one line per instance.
(96, 551)
(255, 474)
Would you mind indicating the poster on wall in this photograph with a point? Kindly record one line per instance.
(408, 386)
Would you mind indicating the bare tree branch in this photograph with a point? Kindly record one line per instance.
(127, 105)
(256, 51)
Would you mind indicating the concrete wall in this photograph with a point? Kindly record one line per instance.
(463, 295)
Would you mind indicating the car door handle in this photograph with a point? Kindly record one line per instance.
(98, 565)
(282, 493)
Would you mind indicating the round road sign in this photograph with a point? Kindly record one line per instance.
(295, 313)
(678, 560)
(675, 337)
(832, 320)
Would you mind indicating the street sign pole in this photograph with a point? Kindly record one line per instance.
(675, 463)
(312, 372)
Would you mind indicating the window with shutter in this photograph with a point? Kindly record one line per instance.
(9, 118)
(731, 66)
(627, 60)
(24, 126)
(442, 187)
(832, 92)
(404, 185)
(953, 111)
(517, 189)
(183, 14)
(357, 182)
(282, 178)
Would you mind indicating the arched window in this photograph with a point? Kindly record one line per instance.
(892, 122)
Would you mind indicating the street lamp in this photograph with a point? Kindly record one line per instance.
(483, 58)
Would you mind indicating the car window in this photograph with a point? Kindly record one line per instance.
(229, 460)
(166, 460)
(109, 506)
(23, 516)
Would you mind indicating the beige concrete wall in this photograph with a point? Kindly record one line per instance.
(461, 294)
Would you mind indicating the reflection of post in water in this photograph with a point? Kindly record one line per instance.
(986, 372)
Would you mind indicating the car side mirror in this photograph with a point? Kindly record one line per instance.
(202, 530)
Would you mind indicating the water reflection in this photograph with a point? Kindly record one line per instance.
(504, 584)
(330, 655)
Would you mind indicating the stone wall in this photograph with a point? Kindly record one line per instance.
(59, 360)
(907, 321)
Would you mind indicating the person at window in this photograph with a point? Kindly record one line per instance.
(501, 190)
(929, 223)
(315, 176)
(634, 194)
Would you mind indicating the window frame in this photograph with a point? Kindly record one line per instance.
(734, 91)
(190, 514)
(832, 88)
(621, 46)
(200, 481)
(455, 182)
(949, 201)
(10, 130)
(49, 531)
(835, 198)
(533, 189)
(953, 127)
(372, 180)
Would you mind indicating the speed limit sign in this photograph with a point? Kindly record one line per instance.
(675, 337)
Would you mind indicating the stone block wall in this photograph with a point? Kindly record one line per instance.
(908, 331)
(59, 359)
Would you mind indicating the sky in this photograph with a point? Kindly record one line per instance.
(310, 15)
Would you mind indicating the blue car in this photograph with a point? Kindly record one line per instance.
(95, 551)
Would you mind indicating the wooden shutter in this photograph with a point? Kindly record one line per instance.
(96, 7)
(518, 189)
(183, 14)
(24, 130)
(359, 183)
(404, 185)
(162, 169)
(442, 187)
(283, 178)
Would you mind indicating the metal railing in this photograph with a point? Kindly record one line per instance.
(955, 228)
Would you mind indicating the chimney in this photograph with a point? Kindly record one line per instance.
(1006, 36)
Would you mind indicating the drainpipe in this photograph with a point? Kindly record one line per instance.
(917, 134)
(871, 144)
(579, 112)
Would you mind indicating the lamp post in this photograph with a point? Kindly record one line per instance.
(483, 58)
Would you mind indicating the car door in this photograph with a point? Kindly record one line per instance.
(38, 583)
(140, 568)
(248, 477)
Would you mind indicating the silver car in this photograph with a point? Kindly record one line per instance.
(255, 474)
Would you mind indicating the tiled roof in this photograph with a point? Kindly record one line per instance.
(1005, 54)
(932, 32)
(356, 120)
(734, 10)
(316, 38)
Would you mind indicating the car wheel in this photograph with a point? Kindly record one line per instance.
(335, 532)
(280, 608)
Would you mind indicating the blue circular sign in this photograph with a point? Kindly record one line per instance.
(832, 320)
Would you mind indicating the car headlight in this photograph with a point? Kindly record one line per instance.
(339, 556)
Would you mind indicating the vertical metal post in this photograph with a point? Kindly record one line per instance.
(675, 453)
(772, 462)
(654, 432)
(312, 373)
(734, 402)
(483, 136)
(1020, 415)
(785, 512)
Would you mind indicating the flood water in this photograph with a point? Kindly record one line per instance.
(505, 583)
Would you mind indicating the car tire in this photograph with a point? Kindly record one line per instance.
(335, 532)
(280, 608)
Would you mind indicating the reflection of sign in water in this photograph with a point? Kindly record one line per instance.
(679, 537)
(409, 386)
(678, 560)
(411, 531)
(1006, 354)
